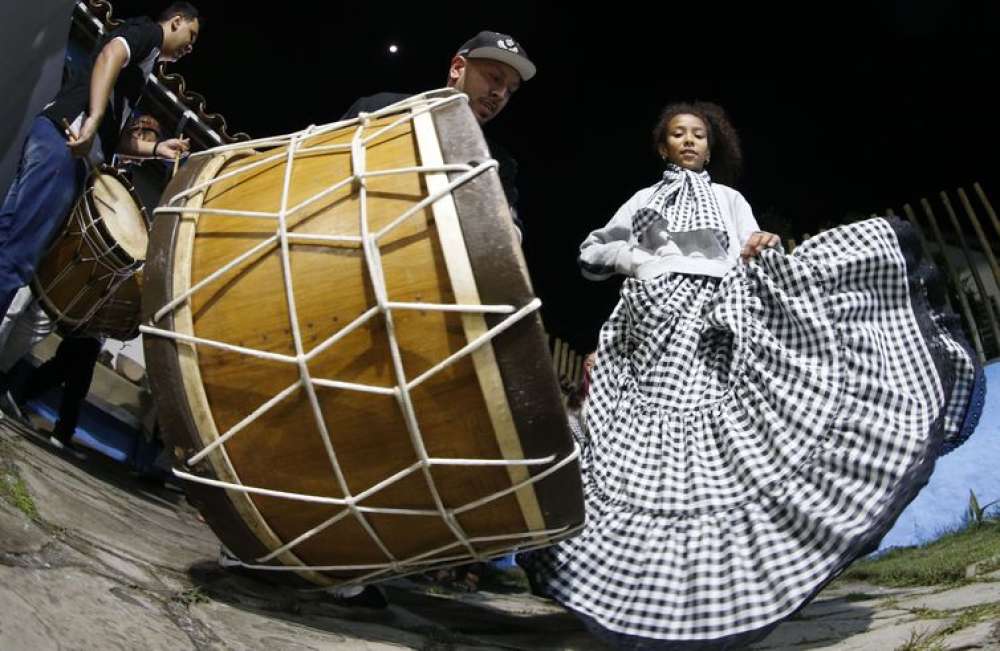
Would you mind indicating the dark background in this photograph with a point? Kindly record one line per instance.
(843, 109)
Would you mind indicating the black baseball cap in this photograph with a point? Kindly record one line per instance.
(499, 47)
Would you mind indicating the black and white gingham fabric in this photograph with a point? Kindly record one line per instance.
(969, 392)
(970, 384)
(749, 436)
(684, 202)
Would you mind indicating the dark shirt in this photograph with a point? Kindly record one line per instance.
(144, 38)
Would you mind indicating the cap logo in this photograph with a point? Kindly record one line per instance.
(507, 44)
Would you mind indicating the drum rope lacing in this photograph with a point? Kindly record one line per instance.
(369, 242)
(117, 269)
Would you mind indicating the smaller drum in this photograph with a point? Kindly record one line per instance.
(89, 281)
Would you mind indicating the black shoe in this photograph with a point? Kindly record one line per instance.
(523, 561)
(9, 407)
(370, 597)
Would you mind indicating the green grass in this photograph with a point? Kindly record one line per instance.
(940, 562)
(974, 615)
(926, 641)
(15, 492)
(921, 642)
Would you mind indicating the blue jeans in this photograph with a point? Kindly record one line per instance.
(47, 183)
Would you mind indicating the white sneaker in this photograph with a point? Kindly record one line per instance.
(71, 449)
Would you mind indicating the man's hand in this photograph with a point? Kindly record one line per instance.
(171, 149)
(80, 143)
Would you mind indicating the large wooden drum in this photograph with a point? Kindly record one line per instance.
(346, 353)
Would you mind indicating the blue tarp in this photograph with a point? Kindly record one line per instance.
(942, 505)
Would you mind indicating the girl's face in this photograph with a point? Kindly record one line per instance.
(686, 144)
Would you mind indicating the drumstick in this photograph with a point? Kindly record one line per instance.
(72, 134)
(179, 133)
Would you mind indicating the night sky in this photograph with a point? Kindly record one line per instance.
(844, 109)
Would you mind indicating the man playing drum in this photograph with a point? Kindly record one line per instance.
(90, 109)
(489, 68)
(26, 324)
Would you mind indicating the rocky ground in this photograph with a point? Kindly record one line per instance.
(93, 558)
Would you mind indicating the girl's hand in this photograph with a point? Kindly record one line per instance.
(758, 242)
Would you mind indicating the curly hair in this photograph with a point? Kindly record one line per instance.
(723, 141)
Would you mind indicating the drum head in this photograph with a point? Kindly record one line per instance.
(120, 213)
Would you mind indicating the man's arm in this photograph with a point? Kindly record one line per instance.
(109, 63)
(170, 148)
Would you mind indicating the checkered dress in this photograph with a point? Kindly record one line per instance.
(749, 436)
